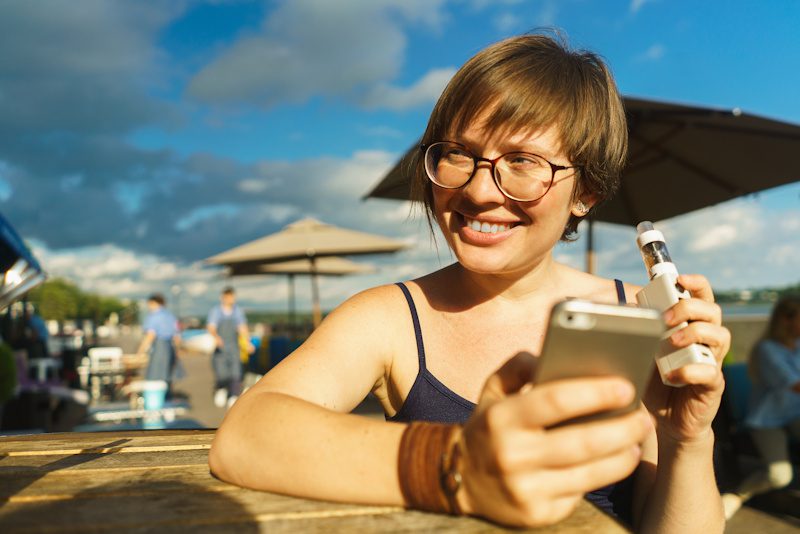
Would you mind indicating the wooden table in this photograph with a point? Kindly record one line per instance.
(158, 481)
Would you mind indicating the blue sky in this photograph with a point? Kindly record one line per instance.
(137, 138)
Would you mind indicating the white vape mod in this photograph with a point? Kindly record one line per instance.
(662, 293)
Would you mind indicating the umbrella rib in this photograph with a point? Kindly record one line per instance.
(663, 138)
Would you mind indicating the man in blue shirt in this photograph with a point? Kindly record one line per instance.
(227, 323)
(161, 337)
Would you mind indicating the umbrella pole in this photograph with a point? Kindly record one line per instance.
(590, 257)
(290, 325)
(316, 313)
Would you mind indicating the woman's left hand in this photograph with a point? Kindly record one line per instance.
(684, 414)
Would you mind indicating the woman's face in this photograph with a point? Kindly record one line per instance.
(526, 232)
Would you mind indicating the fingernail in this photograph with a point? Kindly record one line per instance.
(678, 336)
(637, 451)
(668, 315)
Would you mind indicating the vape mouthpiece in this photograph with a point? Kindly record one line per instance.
(654, 250)
(644, 226)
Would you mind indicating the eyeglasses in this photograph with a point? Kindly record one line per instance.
(520, 176)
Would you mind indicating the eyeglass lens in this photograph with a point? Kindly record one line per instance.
(520, 175)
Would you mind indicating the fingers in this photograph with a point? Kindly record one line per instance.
(693, 310)
(596, 474)
(574, 444)
(717, 338)
(557, 401)
(697, 285)
(577, 479)
(698, 374)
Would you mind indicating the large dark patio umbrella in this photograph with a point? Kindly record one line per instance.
(305, 239)
(680, 159)
(325, 266)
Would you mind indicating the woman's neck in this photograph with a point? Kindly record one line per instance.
(538, 283)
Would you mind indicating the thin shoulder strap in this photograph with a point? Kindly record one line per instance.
(417, 329)
(620, 291)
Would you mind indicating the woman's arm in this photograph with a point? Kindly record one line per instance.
(291, 434)
(676, 487)
(146, 342)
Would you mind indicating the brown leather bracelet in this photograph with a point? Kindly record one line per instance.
(428, 467)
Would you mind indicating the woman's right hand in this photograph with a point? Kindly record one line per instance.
(518, 471)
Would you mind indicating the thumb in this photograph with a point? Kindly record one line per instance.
(510, 377)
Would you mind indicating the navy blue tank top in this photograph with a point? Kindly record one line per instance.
(430, 400)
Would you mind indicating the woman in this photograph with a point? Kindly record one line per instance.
(525, 139)
(774, 411)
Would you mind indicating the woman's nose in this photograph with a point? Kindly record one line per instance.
(482, 188)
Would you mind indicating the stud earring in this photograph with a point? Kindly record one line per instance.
(583, 208)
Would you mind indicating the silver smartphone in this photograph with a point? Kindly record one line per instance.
(589, 339)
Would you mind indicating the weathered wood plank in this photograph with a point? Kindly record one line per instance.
(13, 465)
(181, 510)
(749, 520)
(103, 441)
(143, 482)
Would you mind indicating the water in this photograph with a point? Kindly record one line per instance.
(735, 309)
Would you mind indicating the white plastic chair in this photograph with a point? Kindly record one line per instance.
(105, 367)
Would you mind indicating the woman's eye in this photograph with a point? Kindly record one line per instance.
(524, 160)
(456, 154)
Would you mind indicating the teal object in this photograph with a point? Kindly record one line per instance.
(737, 387)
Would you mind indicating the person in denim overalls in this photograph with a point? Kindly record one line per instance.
(161, 337)
(227, 323)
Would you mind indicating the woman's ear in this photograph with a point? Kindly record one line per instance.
(582, 204)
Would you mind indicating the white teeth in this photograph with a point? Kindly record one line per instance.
(487, 228)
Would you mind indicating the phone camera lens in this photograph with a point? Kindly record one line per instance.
(569, 318)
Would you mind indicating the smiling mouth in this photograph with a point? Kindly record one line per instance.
(487, 227)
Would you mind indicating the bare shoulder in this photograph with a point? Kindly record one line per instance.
(597, 288)
(371, 305)
(369, 312)
(347, 356)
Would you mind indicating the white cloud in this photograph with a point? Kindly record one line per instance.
(654, 53)
(506, 22)
(636, 5)
(424, 91)
(252, 185)
(716, 237)
(314, 48)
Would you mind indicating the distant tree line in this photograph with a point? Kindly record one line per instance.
(61, 300)
(757, 296)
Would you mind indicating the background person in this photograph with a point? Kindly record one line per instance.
(161, 338)
(774, 410)
(525, 139)
(228, 324)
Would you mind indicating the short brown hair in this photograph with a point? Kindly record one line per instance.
(158, 298)
(535, 81)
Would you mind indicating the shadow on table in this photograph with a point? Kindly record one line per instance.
(11, 485)
(142, 506)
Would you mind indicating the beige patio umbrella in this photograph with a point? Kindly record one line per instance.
(325, 266)
(307, 239)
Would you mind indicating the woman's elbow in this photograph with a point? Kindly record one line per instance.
(221, 459)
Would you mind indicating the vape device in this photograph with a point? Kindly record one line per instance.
(662, 293)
